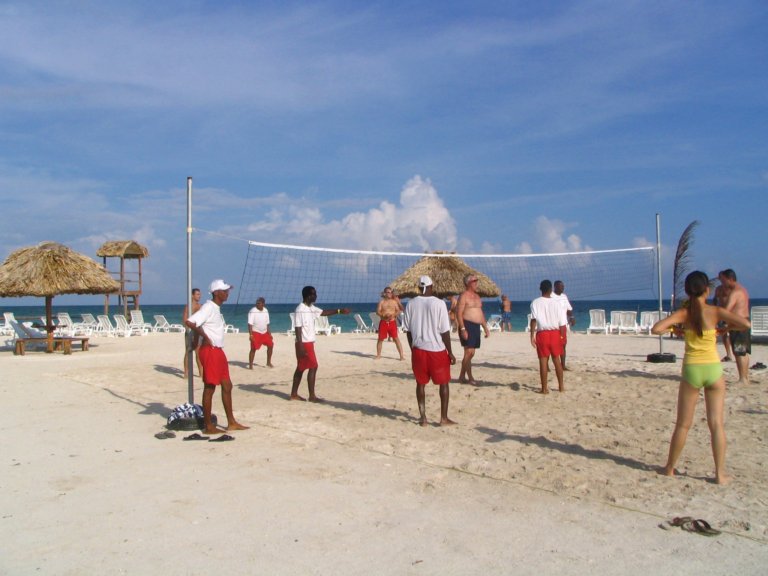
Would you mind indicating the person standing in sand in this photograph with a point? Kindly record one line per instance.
(429, 336)
(547, 334)
(470, 317)
(506, 313)
(741, 340)
(721, 299)
(388, 310)
(304, 322)
(701, 369)
(559, 295)
(195, 307)
(208, 324)
(258, 331)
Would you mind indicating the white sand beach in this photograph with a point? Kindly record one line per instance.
(524, 484)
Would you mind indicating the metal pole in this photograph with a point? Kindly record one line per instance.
(658, 267)
(190, 353)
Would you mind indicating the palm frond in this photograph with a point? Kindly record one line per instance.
(682, 259)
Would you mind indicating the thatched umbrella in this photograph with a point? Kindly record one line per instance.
(447, 273)
(49, 269)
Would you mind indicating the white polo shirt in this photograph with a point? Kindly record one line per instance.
(210, 319)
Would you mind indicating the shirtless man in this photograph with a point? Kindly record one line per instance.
(721, 299)
(741, 341)
(195, 307)
(470, 317)
(388, 310)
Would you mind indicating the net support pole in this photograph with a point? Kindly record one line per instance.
(658, 273)
(188, 340)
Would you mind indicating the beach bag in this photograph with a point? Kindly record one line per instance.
(187, 417)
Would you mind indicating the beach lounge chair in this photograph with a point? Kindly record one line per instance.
(67, 327)
(123, 328)
(230, 329)
(105, 327)
(162, 325)
(89, 320)
(597, 321)
(137, 323)
(528, 323)
(292, 330)
(374, 321)
(759, 318)
(362, 327)
(494, 323)
(322, 326)
(628, 322)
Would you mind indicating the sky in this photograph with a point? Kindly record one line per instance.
(475, 127)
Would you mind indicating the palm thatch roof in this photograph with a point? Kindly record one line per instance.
(123, 248)
(49, 269)
(447, 273)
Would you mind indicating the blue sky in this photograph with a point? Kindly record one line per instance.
(408, 126)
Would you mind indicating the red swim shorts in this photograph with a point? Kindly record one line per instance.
(215, 365)
(387, 329)
(434, 365)
(309, 361)
(549, 343)
(258, 340)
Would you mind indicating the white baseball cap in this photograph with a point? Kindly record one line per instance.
(219, 284)
(424, 281)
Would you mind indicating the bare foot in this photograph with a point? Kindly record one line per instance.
(447, 422)
(237, 426)
(543, 391)
(297, 397)
(377, 357)
(316, 399)
(664, 471)
(423, 421)
(270, 366)
(561, 389)
(213, 430)
(742, 381)
(250, 366)
(723, 479)
(402, 358)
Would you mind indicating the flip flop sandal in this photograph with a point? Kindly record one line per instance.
(222, 438)
(195, 436)
(165, 434)
(758, 366)
(703, 527)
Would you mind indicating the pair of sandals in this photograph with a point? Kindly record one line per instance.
(222, 438)
(758, 366)
(690, 524)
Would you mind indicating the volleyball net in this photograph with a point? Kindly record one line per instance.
(279, 272)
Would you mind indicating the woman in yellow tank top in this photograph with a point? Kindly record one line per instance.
(701, 369)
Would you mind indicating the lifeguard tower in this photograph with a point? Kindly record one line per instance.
(128, 274)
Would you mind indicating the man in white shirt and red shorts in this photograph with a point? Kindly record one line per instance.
(258, 331)
(548, 334)
(428, 328)
(208, 323)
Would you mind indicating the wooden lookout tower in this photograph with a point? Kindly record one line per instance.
(128, 274)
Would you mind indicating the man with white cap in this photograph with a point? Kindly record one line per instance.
(428, 328)
(208, 323)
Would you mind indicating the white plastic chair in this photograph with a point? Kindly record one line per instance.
(597, 321)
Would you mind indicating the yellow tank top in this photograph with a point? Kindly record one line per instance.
(701, 349)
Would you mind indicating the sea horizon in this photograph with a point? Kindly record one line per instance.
(237, 314)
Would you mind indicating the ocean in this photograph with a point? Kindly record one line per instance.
(280, 321)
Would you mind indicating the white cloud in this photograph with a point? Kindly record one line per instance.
(420, 222)
(550, 236)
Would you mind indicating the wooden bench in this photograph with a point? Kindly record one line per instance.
(58, 344)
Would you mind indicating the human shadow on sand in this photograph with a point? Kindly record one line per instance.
(564, 447)
(366, 409)
(148, 409)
